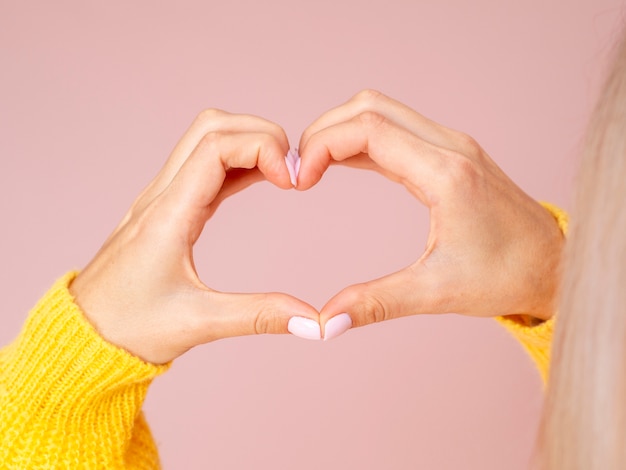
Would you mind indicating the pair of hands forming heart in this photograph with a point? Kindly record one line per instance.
(491, 250)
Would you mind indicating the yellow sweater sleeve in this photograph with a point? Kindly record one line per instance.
(69, 399)
(536, 337)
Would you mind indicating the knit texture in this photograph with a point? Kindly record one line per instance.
(536, 338)
(68, 398)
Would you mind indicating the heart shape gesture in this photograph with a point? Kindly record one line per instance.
(491, 250)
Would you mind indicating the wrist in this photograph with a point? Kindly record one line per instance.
(63, 354)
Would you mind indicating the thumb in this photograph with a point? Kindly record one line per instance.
(227, 315)
(393, 296)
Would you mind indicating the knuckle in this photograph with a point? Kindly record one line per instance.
(266, 140)
(208, 115)
(468, 145)
(461, 171)
(371, 119)
(371, 309)
(211, 140)
(367, 97)
(265, 319)
(279, 132)
(374, 309)
(265, 150)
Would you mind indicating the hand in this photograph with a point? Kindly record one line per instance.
(491, 249)
(142, 291)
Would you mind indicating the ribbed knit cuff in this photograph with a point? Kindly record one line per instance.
(67, 356)
(536, 339)
(65, 391)
(560, 216)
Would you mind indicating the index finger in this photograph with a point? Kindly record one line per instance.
(394, 111)
(411, 160)
(195, 188)
(208, 122)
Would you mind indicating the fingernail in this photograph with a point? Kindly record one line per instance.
(292, 155)
(297, 166)
(337, 325)
(291, 170)
(304, 328)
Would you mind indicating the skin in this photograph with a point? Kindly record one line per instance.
(141, 291)
(491, 249)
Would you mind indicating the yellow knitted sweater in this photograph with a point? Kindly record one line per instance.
(69, 399)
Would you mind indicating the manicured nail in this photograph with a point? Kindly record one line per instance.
(291, 170)
(337, 325)
(292, 155)
(297, 166)
(304, 328)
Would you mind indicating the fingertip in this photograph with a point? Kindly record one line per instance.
(296, 316)
(297, 167)
(276, 168)
(291, 170)
(337, 325)
(311, 167)
(340, 313)
(304, 328)
(304, 138)
(356, 305)
(292, 162)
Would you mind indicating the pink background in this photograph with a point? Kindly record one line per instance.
(92, 99)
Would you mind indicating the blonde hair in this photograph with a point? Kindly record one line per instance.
(584, 420)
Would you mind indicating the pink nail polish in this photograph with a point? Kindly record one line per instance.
(292, 156)
(337, 325)
(297, 167)
(291, 170)
(304, 328)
